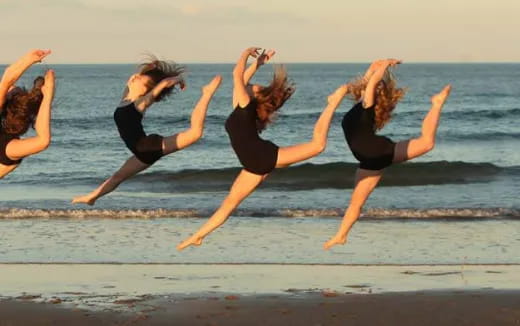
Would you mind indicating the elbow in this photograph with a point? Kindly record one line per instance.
(44, 143)
(321, 147)
(198, 134)
(429, 145)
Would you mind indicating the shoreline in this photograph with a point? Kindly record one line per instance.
(103, 286)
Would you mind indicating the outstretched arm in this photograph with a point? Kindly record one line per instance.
(262, 59)
(20, 148)
(145, 101)
(240, 96)
(376, 75)
(373, 67)
(16, 70)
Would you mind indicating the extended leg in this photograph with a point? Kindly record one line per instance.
(244, 185)
(412, 148)
(366, 181)
(194, 133)
(128, 170)
(301, 152)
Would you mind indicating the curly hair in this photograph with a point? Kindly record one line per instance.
(271, 98)
(158, 70)
(387, 95)
(21, 109)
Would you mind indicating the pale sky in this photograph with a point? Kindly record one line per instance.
(190, 31)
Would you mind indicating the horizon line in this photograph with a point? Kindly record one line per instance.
(288, 62)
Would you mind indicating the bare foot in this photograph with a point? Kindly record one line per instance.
(212, 86)
(191, 241)
(338, 95)
(334, 241)
(440, 98)
(84, 200)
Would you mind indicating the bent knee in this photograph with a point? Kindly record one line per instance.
(356, 206)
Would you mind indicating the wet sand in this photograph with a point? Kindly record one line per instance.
(322, 308)
(80, 283)
(180, 294)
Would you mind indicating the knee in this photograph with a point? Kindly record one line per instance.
(231, 201)
(355, 207)
(118, 177)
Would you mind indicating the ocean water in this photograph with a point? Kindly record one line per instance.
(459, 203)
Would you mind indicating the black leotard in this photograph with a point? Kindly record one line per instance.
(4, 140)
(147, 148)
(257, 155)
(372, 151)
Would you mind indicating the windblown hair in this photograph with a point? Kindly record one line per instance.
(158, 70)
(271, 98)
(21, 109)
(387, 95)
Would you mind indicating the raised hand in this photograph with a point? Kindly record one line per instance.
(253, 51)
(264, 57)
(338, 95)
(49, 84)
(172, 81)
(386, 62)
(35, 56)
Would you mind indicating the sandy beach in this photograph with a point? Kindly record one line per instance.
(325, 308)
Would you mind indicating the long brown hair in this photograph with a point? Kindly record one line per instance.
(271, 98)
(158, 70)
(387, 95)
(21, 109)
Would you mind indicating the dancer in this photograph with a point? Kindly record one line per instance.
(154, 81)
(377, 95)
(21, 109)
(254, 106)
